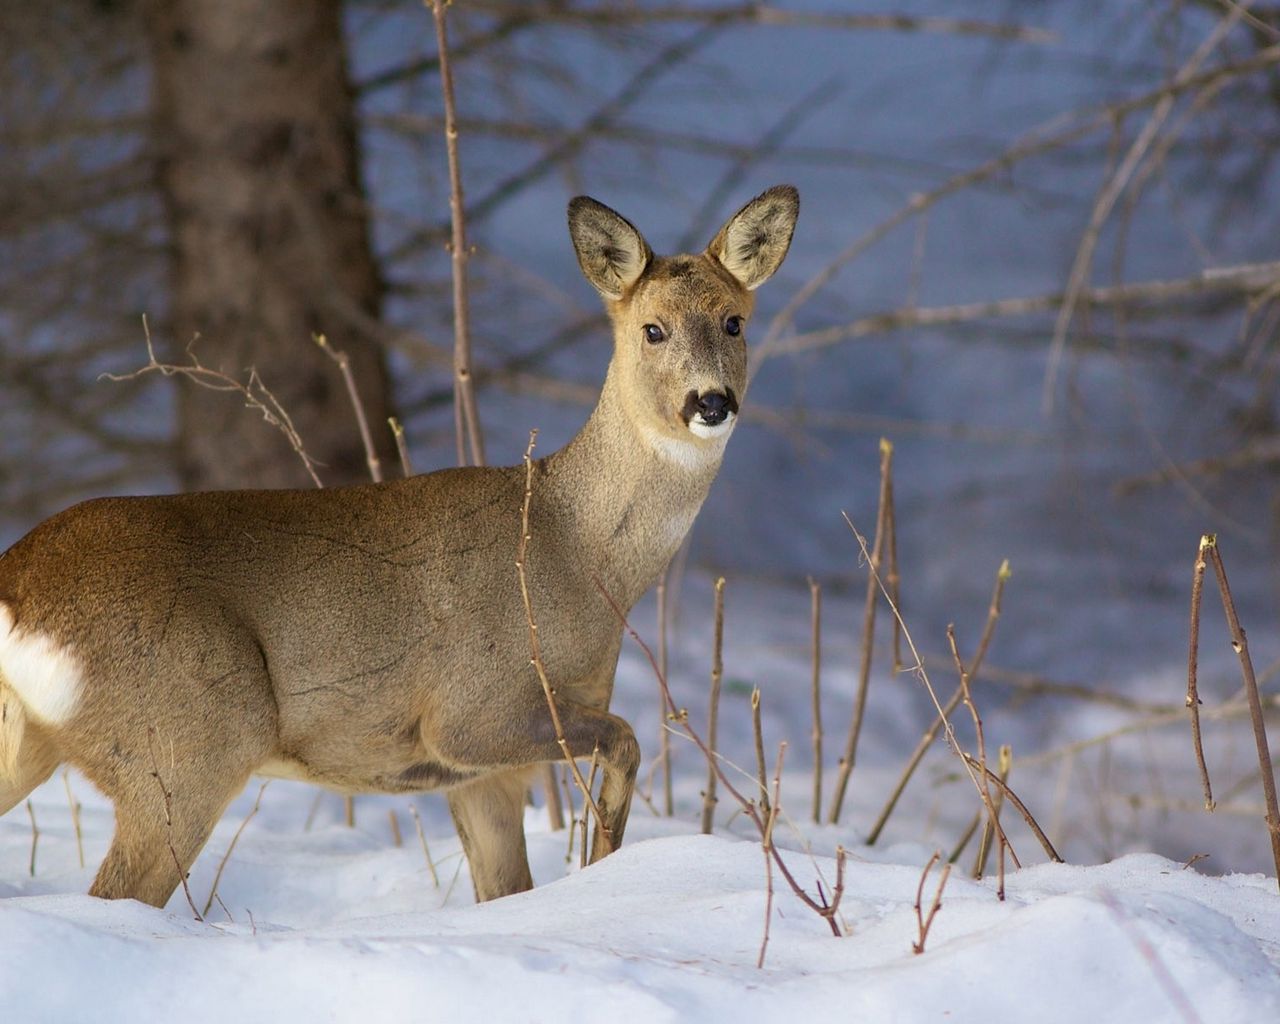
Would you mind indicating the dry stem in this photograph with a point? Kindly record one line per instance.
(664, 734)
(925, 922)
(766, 841)
(402, 446)
(1027, 816)
(255, 393)
(868, 635)
(555, 807)
(362, 422)
(1193, 658)
(828, 911)
(426, 851)
(970, 766)
(535, 646)
(993, 815)
(213, 892)
(35, 837)
(758, 731)
(713, 710)
(1004, 765)
(168, 818)
(466, 416)
(815, 615)
(930, 734)
(75, 814)
(1241, 646)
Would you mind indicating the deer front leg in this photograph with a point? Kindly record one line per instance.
(489, 817)
(522, 737)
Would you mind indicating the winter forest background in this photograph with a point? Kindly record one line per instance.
(1037, 251)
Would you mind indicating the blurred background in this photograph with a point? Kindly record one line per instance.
(1037, 250)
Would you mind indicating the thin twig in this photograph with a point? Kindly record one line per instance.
(35, 837)
(827, 911)
(213, 892)
(255, 393)
(815, 618)
(713, 708)
(664, 734)
(868, 636)
(1027, 816)
(1240, 645)
(969, 764)
(1193, 658)
(893, 578)
(931, 733)
(426, 851)
(766, 842)
(555, 807)
(535, 645)
(362, 422)
(75, 814)
(466, 415)
(397, 840)
(613, 15)
(560, 781)
(402, 446)
(168, 819)
(1004, 765)
(993, 817)
(925, 922)
(591, 781)
(757, 730)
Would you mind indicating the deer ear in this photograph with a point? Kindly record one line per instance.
(751, 246)
(611, 252)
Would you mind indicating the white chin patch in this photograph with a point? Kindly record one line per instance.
(709, 431)
(45, 676)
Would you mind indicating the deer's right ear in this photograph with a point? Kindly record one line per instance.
(611, 252)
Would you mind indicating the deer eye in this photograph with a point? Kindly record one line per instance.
(733, 326)
(653, 334)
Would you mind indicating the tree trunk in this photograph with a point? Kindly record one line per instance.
(256, 143)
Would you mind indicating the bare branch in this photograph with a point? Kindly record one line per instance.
(467, 420)
(769, 16)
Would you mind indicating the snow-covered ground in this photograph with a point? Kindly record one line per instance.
(317, 921)
(340, 924)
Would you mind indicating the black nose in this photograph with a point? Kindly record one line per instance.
(713, 407)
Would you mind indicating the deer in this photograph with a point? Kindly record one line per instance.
(373, 638)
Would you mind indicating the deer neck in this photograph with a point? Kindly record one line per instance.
(629, 491)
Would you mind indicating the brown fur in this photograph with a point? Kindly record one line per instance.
(373, 639)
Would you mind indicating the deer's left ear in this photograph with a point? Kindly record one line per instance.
(752, 245)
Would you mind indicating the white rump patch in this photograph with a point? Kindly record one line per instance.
(45, 676)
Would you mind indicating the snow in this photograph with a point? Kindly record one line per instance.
(321, 922)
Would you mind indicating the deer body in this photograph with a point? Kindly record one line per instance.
(373, 638)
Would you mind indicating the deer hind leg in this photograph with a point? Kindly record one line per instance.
(489, 816)
(33, 762)
(163, 819)
(169, 788)
(524, 737)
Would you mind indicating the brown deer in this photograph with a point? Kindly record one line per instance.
(374, 639)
